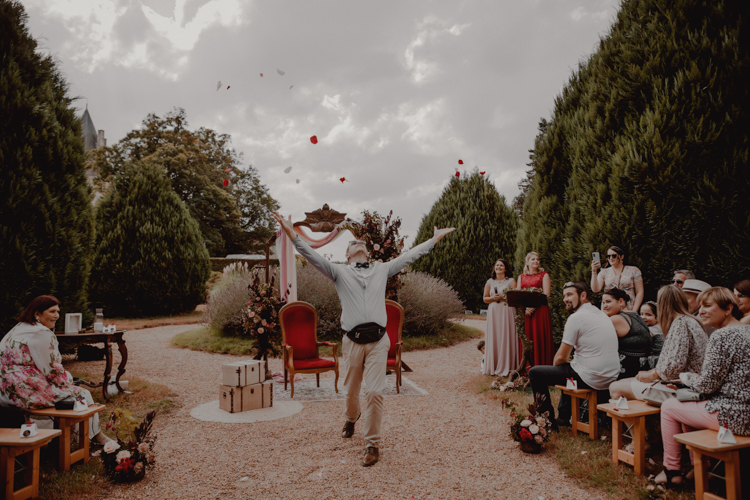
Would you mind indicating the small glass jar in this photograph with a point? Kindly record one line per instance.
(99, 321)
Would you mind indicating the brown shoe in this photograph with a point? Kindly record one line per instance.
(349, 428)
(372, 455)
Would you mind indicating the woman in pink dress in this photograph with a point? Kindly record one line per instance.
(500, 338)
(538, 323)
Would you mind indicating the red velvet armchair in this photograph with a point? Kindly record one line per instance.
(299, 337)
(394, 326)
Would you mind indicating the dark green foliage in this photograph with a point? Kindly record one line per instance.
(150, 258)
(485, 231)
(233, 219)
(46, 221)
(648, 149)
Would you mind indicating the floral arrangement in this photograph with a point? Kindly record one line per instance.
(135, 444)
(261, 317)
(531, 426)
(518, 384)
(380, 234)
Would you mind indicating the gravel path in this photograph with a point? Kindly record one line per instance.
(452, 443)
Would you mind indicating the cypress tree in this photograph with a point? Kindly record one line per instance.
(150, 257)
(46, 220)
(651, 135)
(485, 231)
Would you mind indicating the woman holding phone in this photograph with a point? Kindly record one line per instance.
(500, 338)
(538, 322)
(618, 275)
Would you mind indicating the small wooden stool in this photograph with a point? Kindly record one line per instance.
(12, 446)
(590, 394)
(64, 420)
(705, 443)
(635, 415)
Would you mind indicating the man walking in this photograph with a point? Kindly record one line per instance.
(361, 289)
(596, 363)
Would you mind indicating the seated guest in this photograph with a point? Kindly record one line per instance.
(30, 361)
(633, 337)
(742, 294)
(595, 363)
(683, 350)
(723, 378)
(692, 288)
(681, 276)
(651, 318)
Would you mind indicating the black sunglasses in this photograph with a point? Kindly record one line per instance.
(612, 256)
(677, 282)
(572, 284)
(354, 242)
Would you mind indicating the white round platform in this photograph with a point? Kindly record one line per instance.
(210, 412)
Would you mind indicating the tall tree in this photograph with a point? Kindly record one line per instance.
(150, 258)
(235, 218)
(486, 230)
(46, 222)
(648, 148)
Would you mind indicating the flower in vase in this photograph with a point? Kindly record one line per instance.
(525, 435)
(261, 330)
(138, 468)
(539, 439)
(526, 423)
(124, 454)
(251, 314)
(111, 446)
(541, 421)
(534, 429)
(542, 431)
(263, 322)
(144, 448)
(376, 247)
(151, 457)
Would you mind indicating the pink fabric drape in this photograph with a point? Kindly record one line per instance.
(287, 267)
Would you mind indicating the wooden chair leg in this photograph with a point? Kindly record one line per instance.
(7, 468)
(616, 439)
(34, 473)
(701, 475)
(291, 382)
(733, 477)
(593, 417)
(285, 377)
(83, 431)
(639, 446)
(576, 407)
(317, 379)
(336, 382)
(63, 464)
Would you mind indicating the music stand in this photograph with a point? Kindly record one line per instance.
(521, 299)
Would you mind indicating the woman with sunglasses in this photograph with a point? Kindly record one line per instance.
(618, 275)
(742, 294)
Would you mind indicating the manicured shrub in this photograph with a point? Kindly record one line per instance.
(150, 258)
(316, 289)
(428, 303)
(228, 299)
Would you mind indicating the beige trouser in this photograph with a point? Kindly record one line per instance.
(366, 361)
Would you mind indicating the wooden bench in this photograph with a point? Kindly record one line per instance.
(575, 395)
(704, 442)
(64, 420)
(635, 416)
(12, 446)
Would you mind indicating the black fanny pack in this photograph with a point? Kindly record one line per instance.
(366, 333)
(65, 404)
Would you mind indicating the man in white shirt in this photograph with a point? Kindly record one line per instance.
(595, 364)
(361, 289)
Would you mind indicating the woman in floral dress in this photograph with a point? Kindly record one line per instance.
(500, 339)
(31, 371)
(538, 322)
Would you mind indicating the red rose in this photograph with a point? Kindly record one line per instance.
(525, 435)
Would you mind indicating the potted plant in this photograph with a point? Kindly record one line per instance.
(126, 458)
(531, 429)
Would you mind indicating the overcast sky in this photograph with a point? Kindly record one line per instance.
(396, 91)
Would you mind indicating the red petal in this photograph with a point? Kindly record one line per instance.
(261, 75)
(458, 174)
(226, 182)
(342, 180)
(460, 162)
(314, 139)
(482, 172)
(231, 169)
(228, 87)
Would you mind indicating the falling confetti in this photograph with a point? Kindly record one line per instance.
(314, 139)
(297, 181)
(458, 174)
(228, 169)
(218, 86)
(261, 75)
(287, 170)
(228, 87)
(482, 173)
(242, 153)
(343, 179)
(290, 87)
(282, 73)
(584, 452)
(460, 162)
(245, 478)
(226, 182)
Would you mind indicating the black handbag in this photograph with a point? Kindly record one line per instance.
(366, 333)
(65, 404)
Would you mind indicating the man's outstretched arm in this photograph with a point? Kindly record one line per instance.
(313, 257)
(403, 260)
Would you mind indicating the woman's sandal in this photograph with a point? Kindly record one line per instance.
(669, 478)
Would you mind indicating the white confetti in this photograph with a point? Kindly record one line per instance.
(320, 474)
(245, 479)
(343, 461)
(287, 170)
(584, 452)
(282, 73)
(242, 153)
(218, 85)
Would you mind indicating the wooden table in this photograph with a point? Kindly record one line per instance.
(106, 339)
(12, 446)
(705, 443)
(592, 427)
(635, 415)
(64, 420)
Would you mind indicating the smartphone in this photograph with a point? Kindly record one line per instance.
(595, 256)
